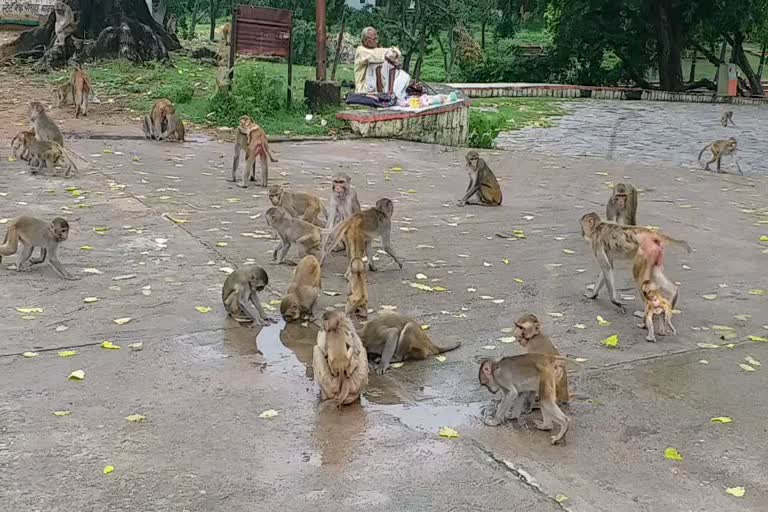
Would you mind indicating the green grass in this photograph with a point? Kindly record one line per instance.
(524, 112)
(192, 86)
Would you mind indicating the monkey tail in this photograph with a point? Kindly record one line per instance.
(11, 242)
(69, 152)
(17, 137)
(343, 393)
(337, 233)
(681, 243)
(446, 348)
(703, 150)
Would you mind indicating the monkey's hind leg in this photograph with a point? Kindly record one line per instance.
(264, 169)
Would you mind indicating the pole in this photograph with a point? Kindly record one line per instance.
(290, 61)
(322, 58)
(338, 46)
(232, 43)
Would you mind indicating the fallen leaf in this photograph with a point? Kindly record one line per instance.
(569, 251)
(507, 339)
(722, 328)
(580, 326)
(486, 297)
(67, 353)
(440, 289)
(672, 454)
(397, 365)
(743, 318)
(764, 238)
(109, 345)
(518, 280)
(91, 271)
(707, 345)
(86, 248)
(108, 469)
(746, 367)
(388, 307)
(28, 311)
(486, 264)
(736, 491)
(602, 321)
(751, 360)
(442, 359)
(420, 286)
(421, 276)
(703, 361)
(555, 315)
(709, 296)
(77, 375)
(561, 498)
(30, 354)
(499, 301)
(757, 338)
(505, 261)
(757, 291)
(203, 309)
(448, 432)
(396, 169)
(122, 321)
(62, 413)
(611, 341)
(90, 300)
(425, 327)
(124, 277)
(489, 347)
(411, 191)
(581, 359)
(136, 346)
(136, 418)
(721, 419)
(269, 413)
(729, 345)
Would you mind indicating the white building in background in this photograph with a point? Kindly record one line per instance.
(361, 4)
(24, 12)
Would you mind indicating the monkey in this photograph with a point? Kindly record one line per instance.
(253, 140)
(656, 304)
(163, 113)
(49, 153)
(81, 91)
(226, 30)
(516, 377)
(343, 204)
(483, 188)
(298, 204)
(719, 149)
(223, 81)
(62, 94)
(65, 22)
(357, 298)
(397, 338)
(339, 360)
(303, 290)
(170, 24)
(362, 228)
(622, 206)
(21, 142)
(240, 296)
(645, 246)
(727, 116)
(530, 337)
(176, 134)
(292, 231)
(44, 128)
(33, 232)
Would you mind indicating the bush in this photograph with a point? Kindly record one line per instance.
(304, 43)
(509, 65)
(177, 93)
(484, 127)
(253, 94)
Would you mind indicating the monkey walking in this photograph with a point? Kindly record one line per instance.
(643, 245)
(339, 360)
(622, 206)
(719, 149)
(727, 116)
(483, 188)
(656, 304)
(33, 232)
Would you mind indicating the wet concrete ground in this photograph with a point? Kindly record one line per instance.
(202, 381)
(649, 132)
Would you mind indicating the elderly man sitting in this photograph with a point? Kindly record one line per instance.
(377, 70)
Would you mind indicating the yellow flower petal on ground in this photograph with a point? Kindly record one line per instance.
(507, 339)
(751, 360)
(611, 341)
(108, 469)
(721, 419)
(672, 454)
(135, 418)
(425, 327)
(67, 353)
(440, 289)
(421, 276)
(77, 375)
(269, 413)
(518, 280)
(580, 326)
(203, 309)
(722, 328)
(420, 286)
(448, 432)
(736, 491)
(109, 345)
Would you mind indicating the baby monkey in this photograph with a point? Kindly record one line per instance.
(727, 116)
(622, 206)
(719, 149)
(21, 142)
(32, 232)
(240, 296)
(357, 299)
(656, 304)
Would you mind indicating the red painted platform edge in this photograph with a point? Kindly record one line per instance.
(369, 116)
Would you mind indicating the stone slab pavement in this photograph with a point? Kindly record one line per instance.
(202, 381)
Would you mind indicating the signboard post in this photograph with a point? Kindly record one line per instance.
(262, 32)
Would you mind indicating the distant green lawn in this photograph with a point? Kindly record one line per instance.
(524, 112)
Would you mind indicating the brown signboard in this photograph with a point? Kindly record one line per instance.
(262, 32)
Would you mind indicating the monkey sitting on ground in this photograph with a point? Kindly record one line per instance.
(44, 128)
(396, 338)
(32, 232)
(518, 376)
(530, 337)
(339, 360)
(49, 153)
(656, 304)
(727, 116)
(622, 206)
(241, 298)
(298, 204)
(483, 186)
(357, 298)
(303, 290)
(343, 205)
(162, 122)
(81, 91)
(643, 245)
(362, 228)
(21, 142)
(252, 139)
(291, 231)
(719, 149)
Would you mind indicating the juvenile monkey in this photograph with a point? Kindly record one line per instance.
(65, 22)
(518, 376)
(298, 204)
(719, 149)
(339, 360)
(303, 290)
(226, 30)
(343, 204)
(397, 338)
(727, 116)
(656, 304)
(483, 188)
(21, 142)
(32, 232)
(292, 231)
(362, 228)
(252, 139)
(81, 91)
(240, 295)
(63, 94)
(357, 298)
(532, 340)
(49, 153)
(622, 206)
(44, 128)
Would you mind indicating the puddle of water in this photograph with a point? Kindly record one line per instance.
(288, 347)
(429, 416)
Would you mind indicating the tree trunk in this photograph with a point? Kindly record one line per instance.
(482, 34)
(214, 9)
(723, 48)
(762, 62)
(740, 59)
(104, 29)
(692, 75)
(668, 48)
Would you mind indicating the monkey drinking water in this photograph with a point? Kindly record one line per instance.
(483, 186)
(622, 206)
(240, 295)
(339, 360)
(32, 232)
